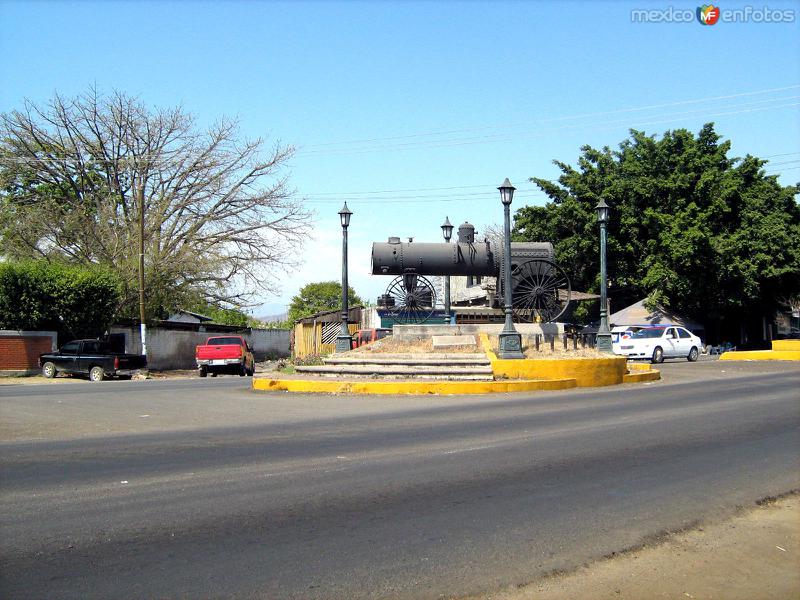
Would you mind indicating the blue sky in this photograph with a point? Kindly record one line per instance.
(451, 96)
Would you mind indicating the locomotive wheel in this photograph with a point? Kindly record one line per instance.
(540, 291)
(414, 299)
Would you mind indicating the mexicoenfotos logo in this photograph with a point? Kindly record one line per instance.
(708, 14)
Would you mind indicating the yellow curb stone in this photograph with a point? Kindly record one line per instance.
(786, 345)
(642, 376)
(410, 387)
(761, 355)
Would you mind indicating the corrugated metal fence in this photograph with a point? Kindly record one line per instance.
(318, 338)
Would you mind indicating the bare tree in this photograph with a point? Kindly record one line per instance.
(219, 221)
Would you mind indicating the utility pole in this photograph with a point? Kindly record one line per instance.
(142, 327)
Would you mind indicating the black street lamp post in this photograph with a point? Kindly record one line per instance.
(603, 332)
(447, 232)
(344, 342)
(510, 339)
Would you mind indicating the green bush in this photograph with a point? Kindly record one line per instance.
(75, 301)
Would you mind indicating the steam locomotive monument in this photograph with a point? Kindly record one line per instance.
(540, 288)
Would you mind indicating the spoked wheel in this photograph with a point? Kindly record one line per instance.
(540, 291)
(410, 298)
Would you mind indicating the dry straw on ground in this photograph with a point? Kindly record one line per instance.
(425, 346)
(392, 345)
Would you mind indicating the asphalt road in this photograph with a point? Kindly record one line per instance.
(203, 488)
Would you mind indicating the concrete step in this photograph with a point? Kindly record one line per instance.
(380, 359)
(406, 377)
(394, 369)
(388, 357)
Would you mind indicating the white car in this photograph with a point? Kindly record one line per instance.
(658, 343)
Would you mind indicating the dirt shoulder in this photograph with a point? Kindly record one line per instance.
(752, 556)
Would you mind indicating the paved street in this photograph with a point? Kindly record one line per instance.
(203, 488)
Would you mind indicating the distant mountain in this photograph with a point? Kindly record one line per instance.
(272, 318)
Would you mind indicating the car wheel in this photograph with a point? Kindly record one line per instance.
(97, 374)
(49, 370)
(213, 373)
(203, 372)
(658, 355)
(693, 353)
(242, 371)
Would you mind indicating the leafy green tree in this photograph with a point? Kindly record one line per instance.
(711, 236)
(319, 297)
(73, 300)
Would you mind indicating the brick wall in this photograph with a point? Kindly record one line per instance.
(20, 350)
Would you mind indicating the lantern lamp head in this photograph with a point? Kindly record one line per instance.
(602, 211)
(506, 192)
(344, 215)
(447, 229)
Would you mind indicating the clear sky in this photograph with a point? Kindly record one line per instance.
(413, 111)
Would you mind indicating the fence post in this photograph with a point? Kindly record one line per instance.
(565, 340)
(536, 339)
(553, 342)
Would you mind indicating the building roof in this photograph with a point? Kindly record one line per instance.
(177, 315)
(637, 314)
(331, 316)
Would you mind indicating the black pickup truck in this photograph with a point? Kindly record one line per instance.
(92, 357)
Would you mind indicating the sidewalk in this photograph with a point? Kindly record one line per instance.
(752, 556)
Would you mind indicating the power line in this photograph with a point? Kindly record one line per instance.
(424, 199)
(554, 119)
(495, 138)
(776, 155)
(353, 195)
(660, 118)
(779, 171)
(786, 162)
(432, 189)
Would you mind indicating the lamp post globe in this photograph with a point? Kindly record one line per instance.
(510, 339)
(447, 233)
(603, 332)
(344, 341)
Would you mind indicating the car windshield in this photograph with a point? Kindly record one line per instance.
(647, 333)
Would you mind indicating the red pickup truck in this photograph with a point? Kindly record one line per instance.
(225, 354)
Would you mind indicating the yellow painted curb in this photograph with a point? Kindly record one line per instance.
(761, 355)
(635, 366)
(786, 345)
(410, 387)
(487, 347)
(642, 376)
(587, 372)
(521, 375)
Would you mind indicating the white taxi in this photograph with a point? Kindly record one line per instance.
(658, 343)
